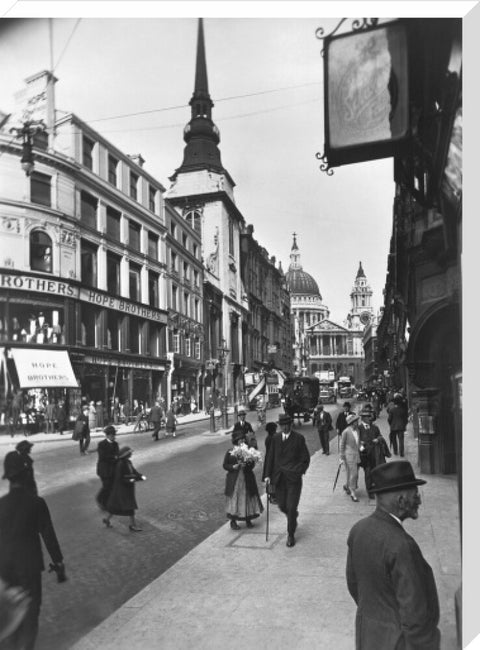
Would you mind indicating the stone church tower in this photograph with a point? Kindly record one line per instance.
(361, 312)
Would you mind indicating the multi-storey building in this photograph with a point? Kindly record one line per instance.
(266, 333)
(82, 262)
(185, 308)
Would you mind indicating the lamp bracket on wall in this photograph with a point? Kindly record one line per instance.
(324, 167)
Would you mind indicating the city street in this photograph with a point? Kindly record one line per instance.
(180, 504)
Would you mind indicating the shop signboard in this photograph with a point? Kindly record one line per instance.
(43, 368)
(366, 94)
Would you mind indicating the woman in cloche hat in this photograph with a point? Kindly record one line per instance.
(122, 497)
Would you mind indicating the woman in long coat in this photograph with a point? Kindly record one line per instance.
(241, 491)
(122, 497)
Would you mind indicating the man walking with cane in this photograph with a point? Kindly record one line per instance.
(287, 461)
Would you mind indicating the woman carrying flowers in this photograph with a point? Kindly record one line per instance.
(241, 491)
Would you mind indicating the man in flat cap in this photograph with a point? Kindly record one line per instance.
(18, 462)
(387, 575)
(287, 461)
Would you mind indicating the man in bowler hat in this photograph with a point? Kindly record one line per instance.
(387, 575)
(287, 461)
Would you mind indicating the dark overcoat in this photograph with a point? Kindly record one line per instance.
(232, 475)
(122, 497)
(290, 459)
(24, 521)
(107, 457)
(393, 586)
(398, 418)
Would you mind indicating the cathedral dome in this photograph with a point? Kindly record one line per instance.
(301, 282)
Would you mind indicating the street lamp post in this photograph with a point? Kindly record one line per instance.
(26, 133)
(223, 352)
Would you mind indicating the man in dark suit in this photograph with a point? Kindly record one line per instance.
(341, 421)
(398, 419)
(245, 428)
(107, 451)
(370, 437)
(156, 417)
(324, 426)
(287, 461)
(387, 576)
(24, 519)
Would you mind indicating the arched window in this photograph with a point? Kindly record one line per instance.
(40, 251)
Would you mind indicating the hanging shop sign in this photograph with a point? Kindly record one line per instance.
(43, 368)
(366, 94)
(120, 304)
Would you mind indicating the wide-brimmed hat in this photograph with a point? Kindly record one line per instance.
(110, 430)
(351, 418)
(396, 475)
(284, 419)
(124, 452)
(24, 444)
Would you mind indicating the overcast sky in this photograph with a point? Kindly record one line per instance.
(266, 80)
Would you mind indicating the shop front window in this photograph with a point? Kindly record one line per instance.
(112, 330)
(40, 251)
(35, 324)
(88, 258)
(89, 325)
(134, 335)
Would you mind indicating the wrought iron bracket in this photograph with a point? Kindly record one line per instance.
(357, 25)
(324, 166)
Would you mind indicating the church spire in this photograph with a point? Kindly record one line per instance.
(360, 272)
(200, 134)
(295, 263)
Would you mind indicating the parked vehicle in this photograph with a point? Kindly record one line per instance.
(345, 387)
(300, 396)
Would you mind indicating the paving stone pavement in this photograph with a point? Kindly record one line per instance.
(237, 588)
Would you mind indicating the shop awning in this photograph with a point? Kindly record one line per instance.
(43, 368)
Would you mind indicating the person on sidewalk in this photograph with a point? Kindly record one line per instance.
(25, 521)
(242, 499)
(324, 426)
(156, 417)
(107, 451)
(287, 462)
(397, 419)
(62, 422)
(20, 462)
(245, 428)
(122, 500)
(170, 423)
(387, 575)
(350, 455)
(81, 431)
(373, 448)
(341, 421)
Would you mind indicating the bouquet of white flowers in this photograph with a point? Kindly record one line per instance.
(245, 454)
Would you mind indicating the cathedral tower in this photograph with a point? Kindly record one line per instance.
(361, 311)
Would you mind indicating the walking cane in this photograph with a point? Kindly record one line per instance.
(268, 512)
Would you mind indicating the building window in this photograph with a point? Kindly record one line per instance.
(113, 338)
(195, 279)
(88, 325)
(197, 349)
(197, 310)
(88, 260)
(231, 243)
(194, 218)
(185, 241)
(134, 235)
(174, 297)
(176, 343)
(112, 170)
(195, 251)
(173, 229)
(133, 185)
(87, 153)
(188, 347)
(153, 245)
(88, 210)
(113, 274)
(186, 275)
(40, 188)
(152, 197)
(186, 299)
(174, 262)
(153, 289)
(40, 251)
(113, 223)
(134, 335)
(153, 339)
(134, 282)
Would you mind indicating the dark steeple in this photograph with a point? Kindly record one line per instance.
(360, 272)
(201, 134)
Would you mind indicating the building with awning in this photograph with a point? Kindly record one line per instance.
(43, 368)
